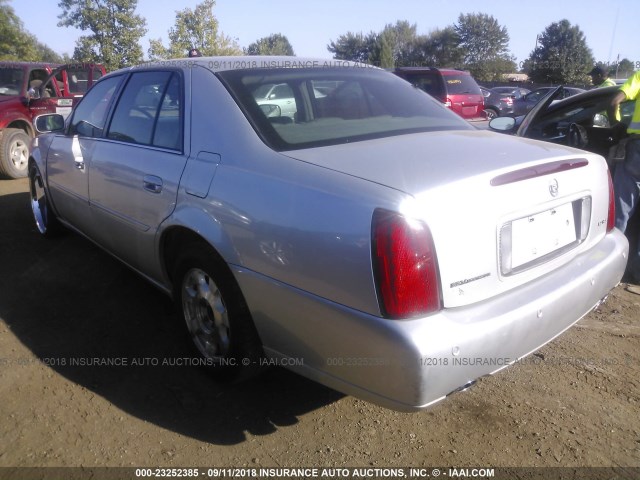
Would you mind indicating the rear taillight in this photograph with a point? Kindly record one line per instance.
(508, 101)
(611, 219)
(405, 266)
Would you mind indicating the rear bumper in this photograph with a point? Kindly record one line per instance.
(408, 365)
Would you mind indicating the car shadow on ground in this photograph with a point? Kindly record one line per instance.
(69, 302)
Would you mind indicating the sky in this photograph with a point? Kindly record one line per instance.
(610, 26)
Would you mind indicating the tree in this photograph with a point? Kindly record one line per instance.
(623, 69)
(115, 29)
(440, 48)
(275, 44)
(353, 46)
(562, 56)
(384, 51)
(15, 42)
(485, 46)
(45, 54)
(390, 47)
(196, 28)
(396, 44)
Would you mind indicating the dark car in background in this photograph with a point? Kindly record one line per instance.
(499, 101)
(577, 120)
(513, 92)
(456, 89)
(523, 105)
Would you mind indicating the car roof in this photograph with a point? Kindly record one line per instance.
(11, 64)
(443, 71)
(220, 64)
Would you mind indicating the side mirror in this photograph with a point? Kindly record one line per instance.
(600, 120)
(50, 122)
(270, 110)
(33, 94)
(502, 124)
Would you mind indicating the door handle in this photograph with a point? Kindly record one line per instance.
(152, 183)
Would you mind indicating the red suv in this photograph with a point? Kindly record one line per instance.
(31, 89)
(455, 88)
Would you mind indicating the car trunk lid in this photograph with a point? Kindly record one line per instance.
(502, 210)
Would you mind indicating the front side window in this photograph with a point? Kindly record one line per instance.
(334, 105)
(11, 80)
(90, 115)
(36, 77)
(148, 111)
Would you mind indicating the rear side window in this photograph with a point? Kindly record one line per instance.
(78, 77)
(431, 83)
(97, 74)
(78, 80)
(148, 111)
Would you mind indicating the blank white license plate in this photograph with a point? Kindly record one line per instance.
(535, 236)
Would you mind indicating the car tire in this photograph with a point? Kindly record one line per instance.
(491, 113)
(46, 221)
(212, 308)
(14, 153)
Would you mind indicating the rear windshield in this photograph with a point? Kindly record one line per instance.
(302, 108)
(460, 84)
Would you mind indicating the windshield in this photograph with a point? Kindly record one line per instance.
(302, 108)
(11, 80)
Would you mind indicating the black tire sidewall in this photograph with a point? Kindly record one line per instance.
(490, 113)
(7, 168)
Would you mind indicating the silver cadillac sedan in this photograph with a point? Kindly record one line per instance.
(368, 239)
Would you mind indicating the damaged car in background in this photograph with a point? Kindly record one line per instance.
(368, 232)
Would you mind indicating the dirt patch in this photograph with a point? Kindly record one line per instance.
(576, 402)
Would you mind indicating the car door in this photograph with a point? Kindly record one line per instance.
(136, 169)
(69, 157)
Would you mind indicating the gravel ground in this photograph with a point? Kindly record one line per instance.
(574, 403)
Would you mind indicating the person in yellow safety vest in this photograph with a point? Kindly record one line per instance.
(600, 78)
(626, 180)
